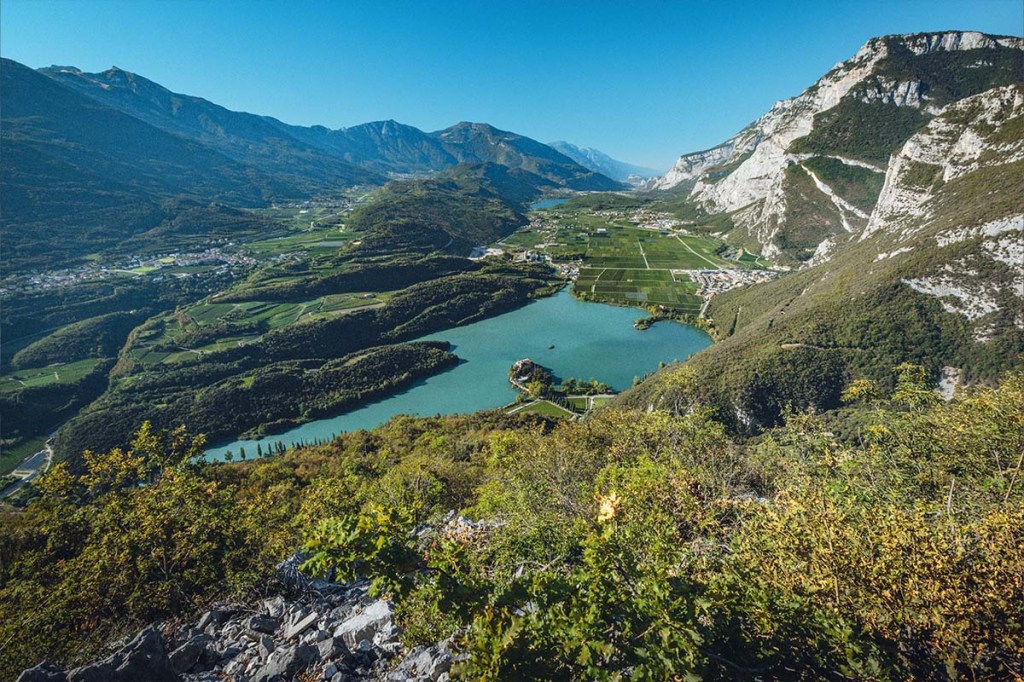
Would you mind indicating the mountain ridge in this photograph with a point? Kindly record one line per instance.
(893, 84)
(74, 171)
(377, 147)
(247, 138)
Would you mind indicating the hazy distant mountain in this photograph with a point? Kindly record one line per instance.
(246, 138)
(599, 162)
(339, 157)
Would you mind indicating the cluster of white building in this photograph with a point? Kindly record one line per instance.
(651, 220)
(149, 265)
(711, 282)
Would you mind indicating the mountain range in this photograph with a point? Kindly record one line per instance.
(895, 186)
(92, 158)
(382, 147)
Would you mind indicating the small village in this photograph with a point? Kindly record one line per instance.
(214, 260)
(712, 282)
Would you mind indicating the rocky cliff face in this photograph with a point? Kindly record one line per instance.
(891, 87)
(905, 204)
(979, 133)
(957, 185)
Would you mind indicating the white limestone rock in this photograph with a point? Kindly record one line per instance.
(753, 192)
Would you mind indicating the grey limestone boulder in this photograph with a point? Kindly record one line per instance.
(376, 618)
(260, 624)
(423, 664)
(143, 658)
(187, 655)
(285, 662)
(333, 649)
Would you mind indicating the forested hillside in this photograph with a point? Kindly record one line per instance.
(78, 176)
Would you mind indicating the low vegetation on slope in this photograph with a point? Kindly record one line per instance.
(861, 130)
(879, 541)
(800, 340)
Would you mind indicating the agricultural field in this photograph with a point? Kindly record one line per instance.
(315, 229)
(314, 240)
(627, 256)
(638, 287)
(69, 373)
(578, 403)
(547, 409)
(636, 248)
(12, 456)
(209, 326)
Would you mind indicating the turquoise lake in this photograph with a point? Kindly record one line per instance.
(591, 340)
(542, 204)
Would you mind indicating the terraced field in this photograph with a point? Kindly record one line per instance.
(209, 326)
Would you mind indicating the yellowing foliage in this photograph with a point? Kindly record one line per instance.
(881, 541)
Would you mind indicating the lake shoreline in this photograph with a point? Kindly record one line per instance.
(575, 338)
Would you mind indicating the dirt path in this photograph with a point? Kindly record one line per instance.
(716, 266)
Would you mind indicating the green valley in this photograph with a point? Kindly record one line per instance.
(633, 254)
(294, 403)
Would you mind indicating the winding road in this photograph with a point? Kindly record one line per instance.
(28, 470)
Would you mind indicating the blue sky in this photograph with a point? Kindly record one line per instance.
(642, 81)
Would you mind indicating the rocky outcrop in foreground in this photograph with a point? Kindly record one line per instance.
(331, 632)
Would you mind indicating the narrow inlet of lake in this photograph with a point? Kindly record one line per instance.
(542, 204)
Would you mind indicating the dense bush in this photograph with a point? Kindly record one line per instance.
(870, 131)
(880, 541)
(96, 337)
